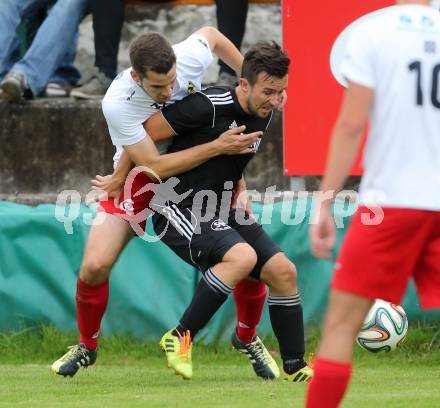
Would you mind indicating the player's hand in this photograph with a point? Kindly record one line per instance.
(234, 141)
(323, 233)
(108, 187)
(240, 198)
(283, 101)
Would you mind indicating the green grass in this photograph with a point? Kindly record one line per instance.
(133, 374)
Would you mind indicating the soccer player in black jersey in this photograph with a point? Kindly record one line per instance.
(225, 243)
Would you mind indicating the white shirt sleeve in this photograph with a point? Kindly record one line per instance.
(124, 127)
(194, 54)
(357, 64)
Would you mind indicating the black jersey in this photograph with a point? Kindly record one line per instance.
(201, 118)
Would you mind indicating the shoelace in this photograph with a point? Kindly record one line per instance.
(74, 351)
(185, 345)
(258, 351)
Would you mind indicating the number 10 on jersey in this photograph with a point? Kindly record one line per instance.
(434, 91)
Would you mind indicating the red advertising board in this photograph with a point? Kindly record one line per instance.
(310, 29)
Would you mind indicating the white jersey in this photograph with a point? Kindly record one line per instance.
(126, 106)
(397, 54)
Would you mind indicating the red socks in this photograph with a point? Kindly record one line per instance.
(249, 297)
(329, 384)
(91, 302)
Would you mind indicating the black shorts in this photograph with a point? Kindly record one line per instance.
(203, 241)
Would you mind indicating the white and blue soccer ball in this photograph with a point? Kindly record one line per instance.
(384, 328)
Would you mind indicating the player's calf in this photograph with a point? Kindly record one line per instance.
(286, 316)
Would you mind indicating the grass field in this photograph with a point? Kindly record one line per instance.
(133, 374)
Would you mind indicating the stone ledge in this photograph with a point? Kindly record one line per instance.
(50, 145)
(30, 199)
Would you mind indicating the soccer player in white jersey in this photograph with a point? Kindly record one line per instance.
(160, 74)
(392, 65)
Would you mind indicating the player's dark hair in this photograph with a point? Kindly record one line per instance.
(151, 51)
(266, 57)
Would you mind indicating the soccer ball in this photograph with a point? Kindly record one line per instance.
(384, 328)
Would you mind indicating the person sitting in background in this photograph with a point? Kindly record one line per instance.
(108, 17)
(231, 22)
(50, 56)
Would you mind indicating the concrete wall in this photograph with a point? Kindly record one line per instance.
(53, 145)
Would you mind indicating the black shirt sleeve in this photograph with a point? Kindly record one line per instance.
(193, 112)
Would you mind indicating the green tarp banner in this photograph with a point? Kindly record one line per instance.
(150, 287)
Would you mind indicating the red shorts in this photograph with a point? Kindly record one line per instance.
(134, 201)
(376, 261)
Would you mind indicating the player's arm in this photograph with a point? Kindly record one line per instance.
(112, 184)
(222, 47)
(144, 153)
(188, 115)
(361, 75)
(240, 198)
(344, 146)
(346, 137)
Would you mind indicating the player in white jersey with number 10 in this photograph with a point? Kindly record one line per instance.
(392, 64)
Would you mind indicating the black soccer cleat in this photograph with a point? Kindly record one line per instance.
(262, 362)
(78, 356)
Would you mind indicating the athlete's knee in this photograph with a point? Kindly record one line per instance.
(346, 312)
(242, 257)
(282, 278)
(95, 270)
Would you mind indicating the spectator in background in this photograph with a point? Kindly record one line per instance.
(50, 56)
(108, 17)
(231, 21)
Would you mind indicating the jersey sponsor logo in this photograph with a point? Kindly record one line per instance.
(405, 19)
(219, 225)
(191, 87)
(430, 47)
(127, 206)
(427, 21)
